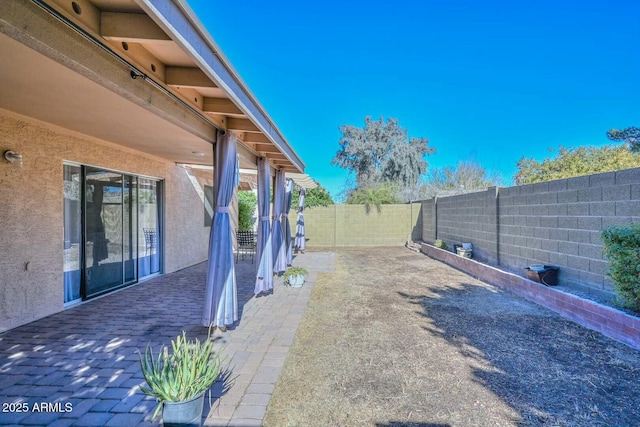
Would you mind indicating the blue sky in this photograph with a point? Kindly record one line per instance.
(488, 81)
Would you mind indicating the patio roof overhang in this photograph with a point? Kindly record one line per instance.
(300, 179)
(249, 181)
(140, 73)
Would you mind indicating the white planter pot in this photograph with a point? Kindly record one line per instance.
(296, 280)
(467, 253)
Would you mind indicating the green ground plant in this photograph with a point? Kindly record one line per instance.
(622, 248)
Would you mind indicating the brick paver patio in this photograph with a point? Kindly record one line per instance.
(85, 359)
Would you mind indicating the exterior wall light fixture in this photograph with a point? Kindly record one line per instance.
(13, 157)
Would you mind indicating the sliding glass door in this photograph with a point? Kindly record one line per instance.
(116, 221)
(149, 220)
(72, 232)
(104, 209)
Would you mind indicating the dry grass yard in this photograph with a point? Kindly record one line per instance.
(393, 338)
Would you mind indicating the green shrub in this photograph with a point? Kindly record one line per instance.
(247, 201)
(622, 248)
(440, 244)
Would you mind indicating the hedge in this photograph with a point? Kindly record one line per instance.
(622, 248)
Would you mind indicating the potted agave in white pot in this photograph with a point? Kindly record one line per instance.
(179, 380)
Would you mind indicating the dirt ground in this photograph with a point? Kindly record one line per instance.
(394, 338)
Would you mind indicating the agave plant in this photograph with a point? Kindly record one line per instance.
(186, 373)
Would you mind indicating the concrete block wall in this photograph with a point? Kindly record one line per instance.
(428, 221)
(470, 218)
(351, 225)
(556, 222)
(389, 226)
(320, 225)
(416, 220)
(559, 222)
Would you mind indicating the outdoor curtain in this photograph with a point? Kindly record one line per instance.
(286, 227)
(221, 300)
(264, 251)
(300, 240)
(95, 225)
(277, 237)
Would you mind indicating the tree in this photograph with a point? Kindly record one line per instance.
(630, 136)
(465, 177)
(570, 162)
(247, 202)
(382, 152)
(377, 194)
(318, 196)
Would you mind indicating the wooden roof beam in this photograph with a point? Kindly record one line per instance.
(281, 162)
(187, 77)
(220, 106)
(131, 27)
(256, 138)
(241, 125)
(266, 147)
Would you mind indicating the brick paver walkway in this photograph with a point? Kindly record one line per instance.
(83, 363)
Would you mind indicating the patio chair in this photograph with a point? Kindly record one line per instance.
(247, 243)
(150, 239)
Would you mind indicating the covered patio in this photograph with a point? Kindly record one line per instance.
(87, 355)
(135, 95)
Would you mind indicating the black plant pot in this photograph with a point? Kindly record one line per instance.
(548, 276)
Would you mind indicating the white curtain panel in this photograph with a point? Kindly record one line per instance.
(300, 240)
(277, 234)
(286, 226)
(264, 251)
(221, 297)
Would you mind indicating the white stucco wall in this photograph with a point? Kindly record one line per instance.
(31, 211)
